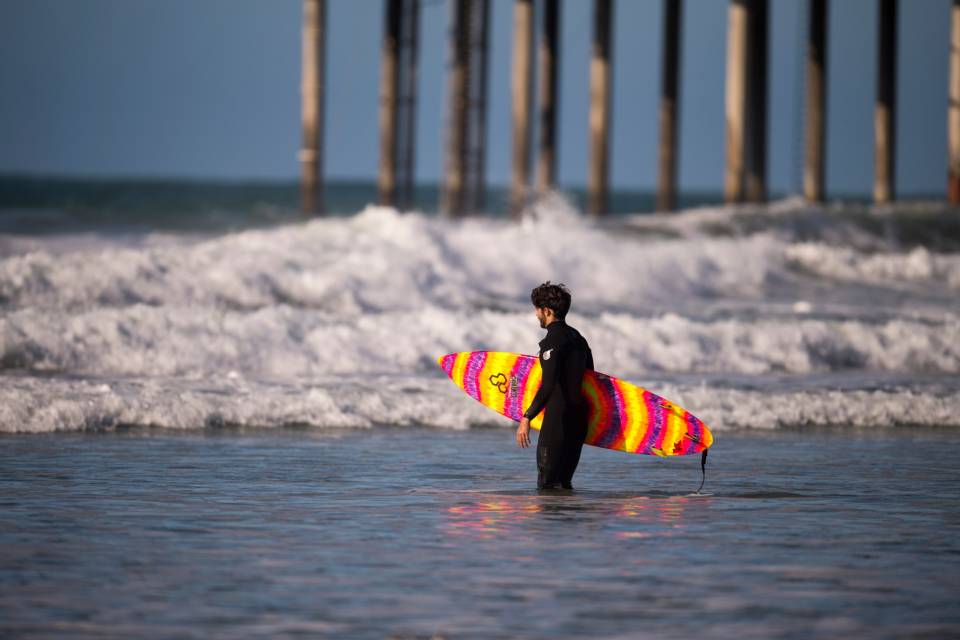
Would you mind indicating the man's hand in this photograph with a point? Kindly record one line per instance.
(523, 433)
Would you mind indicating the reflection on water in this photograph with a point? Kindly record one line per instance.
(631, 516)
(486, 519)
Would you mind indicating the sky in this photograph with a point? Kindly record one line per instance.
(210, 89)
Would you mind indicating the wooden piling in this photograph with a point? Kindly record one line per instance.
(736, 100)
(816, 98)
(756, 169)
(408, 99)
(953, 110)
(311, 106)
(452, 198)
(465, 186)
(669, 79)
(389, 80)
(398, 103)
(522, 94)
(885, 114)
(549, 65)
(479, 56)
(599, 108)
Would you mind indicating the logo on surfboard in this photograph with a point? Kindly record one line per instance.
(500, 382)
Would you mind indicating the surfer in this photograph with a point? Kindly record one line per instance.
(564, 356)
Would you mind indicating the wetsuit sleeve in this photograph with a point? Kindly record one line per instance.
(549, 367)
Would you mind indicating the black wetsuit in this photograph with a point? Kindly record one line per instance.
(564, 356)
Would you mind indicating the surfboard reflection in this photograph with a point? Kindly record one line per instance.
(623, 516)
(487, 519)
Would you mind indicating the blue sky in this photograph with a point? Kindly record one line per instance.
(210, 89)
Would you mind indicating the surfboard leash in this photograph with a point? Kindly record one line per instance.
(703, 468)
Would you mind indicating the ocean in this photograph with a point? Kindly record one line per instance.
(220, 419)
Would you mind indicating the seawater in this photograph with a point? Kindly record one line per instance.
(218, 419)
(440, 534)
(45, 205)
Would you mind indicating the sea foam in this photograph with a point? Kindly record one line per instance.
(326, 322)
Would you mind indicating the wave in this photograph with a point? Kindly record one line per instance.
(30, 404)
(900, 226)
(287, 313)
(286, 342)
(382, 260)
(916, 266)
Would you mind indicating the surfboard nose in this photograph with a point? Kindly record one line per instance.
(445, 362)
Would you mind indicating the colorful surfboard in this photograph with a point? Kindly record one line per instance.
(622, 416)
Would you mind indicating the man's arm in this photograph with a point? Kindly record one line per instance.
(548, 365)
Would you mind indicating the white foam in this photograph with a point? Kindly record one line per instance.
(39, 404)
(286, 342)
(380, 260)
(916, 266)
(744, 292)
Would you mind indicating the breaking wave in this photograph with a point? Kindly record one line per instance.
(336, 322)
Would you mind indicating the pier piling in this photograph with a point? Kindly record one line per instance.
(885, 114)
(669, 107)
(953, 109)
(389, 79)
(756, 173)
(398, 103)
(464, 184)
(746, 102)
(311, 107)
(599, 108)
(522, 94)
(736, 100)
(406, 148)
(815, 116)
(549, 66)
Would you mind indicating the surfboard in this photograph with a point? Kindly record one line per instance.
(622, 416)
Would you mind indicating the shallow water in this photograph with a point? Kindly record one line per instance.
(415, 532)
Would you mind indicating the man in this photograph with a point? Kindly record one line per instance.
(564, 356)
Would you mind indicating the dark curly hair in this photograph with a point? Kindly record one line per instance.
(552, 296)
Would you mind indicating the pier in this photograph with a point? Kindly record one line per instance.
(536, 58)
